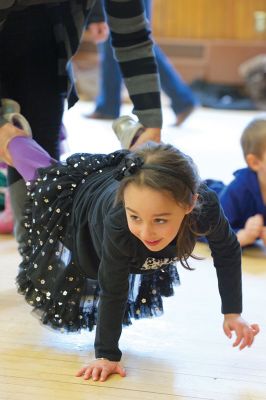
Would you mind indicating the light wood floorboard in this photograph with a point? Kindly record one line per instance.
(181, 355)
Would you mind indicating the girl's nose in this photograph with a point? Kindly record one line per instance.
(147, 232)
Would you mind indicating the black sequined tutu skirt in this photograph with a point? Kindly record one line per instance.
(61, 295)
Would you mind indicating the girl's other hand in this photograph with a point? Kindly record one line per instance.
(245, 332)
(99, 370)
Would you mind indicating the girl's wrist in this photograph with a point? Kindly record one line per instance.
(232, 315)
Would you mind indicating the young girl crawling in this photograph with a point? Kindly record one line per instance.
(104, 233)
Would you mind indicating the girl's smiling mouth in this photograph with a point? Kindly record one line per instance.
(152, 242)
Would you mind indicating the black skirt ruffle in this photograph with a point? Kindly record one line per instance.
(61, 295)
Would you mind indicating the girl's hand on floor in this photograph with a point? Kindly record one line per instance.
(99, 370)
(245, 333)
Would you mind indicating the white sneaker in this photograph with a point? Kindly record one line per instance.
(8, 131)
(9, 106)
(126, 128)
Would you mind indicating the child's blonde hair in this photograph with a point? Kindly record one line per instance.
(253, 139)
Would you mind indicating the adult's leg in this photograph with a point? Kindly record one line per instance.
(29, 76)
(176, 89)
(109, 99)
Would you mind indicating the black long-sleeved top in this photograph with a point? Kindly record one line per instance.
(113, 253)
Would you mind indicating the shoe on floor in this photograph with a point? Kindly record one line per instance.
(7, 132)
(127, 130)
(181, 117)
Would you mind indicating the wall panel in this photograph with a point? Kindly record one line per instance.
(207, 19)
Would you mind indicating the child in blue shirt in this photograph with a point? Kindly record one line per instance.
(244, 199)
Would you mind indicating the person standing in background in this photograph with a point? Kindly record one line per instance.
(108, 102)
(38, 39)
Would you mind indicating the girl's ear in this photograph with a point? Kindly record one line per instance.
(194, 201)
(253, 162)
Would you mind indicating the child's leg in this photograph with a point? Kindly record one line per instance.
(28, 156)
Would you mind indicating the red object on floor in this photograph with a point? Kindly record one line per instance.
(6, 217)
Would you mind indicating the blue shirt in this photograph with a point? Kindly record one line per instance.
(242, 198)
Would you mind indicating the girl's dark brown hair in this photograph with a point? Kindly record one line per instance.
(182, 182)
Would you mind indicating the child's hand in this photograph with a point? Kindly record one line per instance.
(99, 32)
(101, 369)
(245, 333)
(263, 235)
(252, 230)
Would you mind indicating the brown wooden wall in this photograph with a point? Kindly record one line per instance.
(207, 19)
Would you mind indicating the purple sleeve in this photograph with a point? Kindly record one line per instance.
(28, 156)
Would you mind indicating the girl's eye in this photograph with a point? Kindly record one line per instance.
(134, 218)
(160, 221)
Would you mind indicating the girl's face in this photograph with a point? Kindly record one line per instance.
(153, 217)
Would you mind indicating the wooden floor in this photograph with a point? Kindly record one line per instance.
(181, 355)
